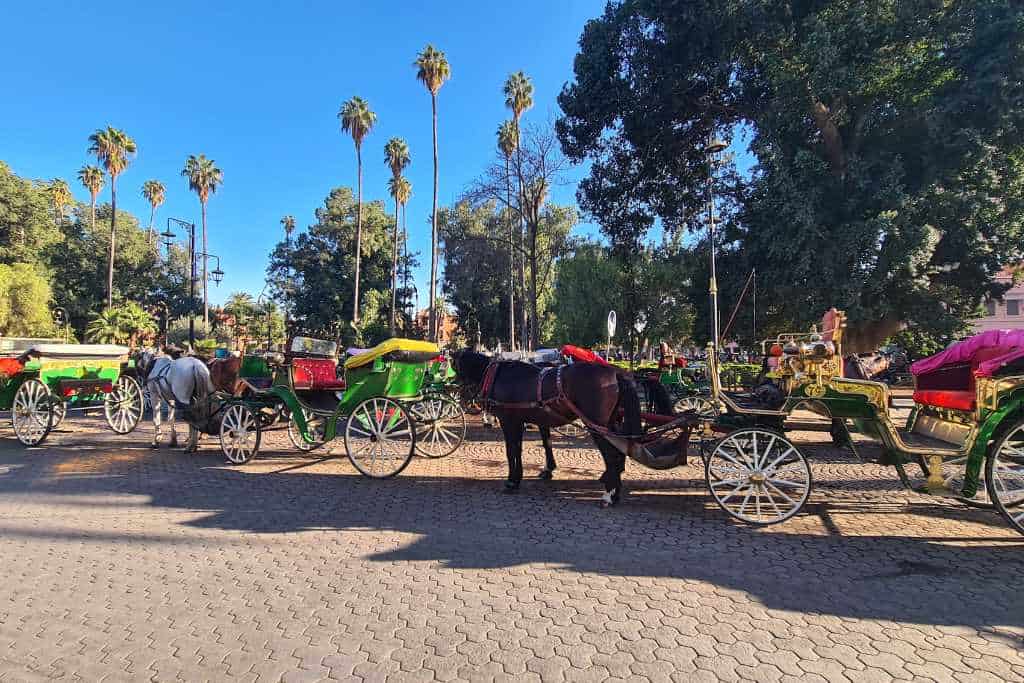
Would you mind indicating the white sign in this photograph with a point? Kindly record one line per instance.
(641, 323)
(611, 324)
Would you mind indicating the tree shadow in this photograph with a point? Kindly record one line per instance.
(847, 555)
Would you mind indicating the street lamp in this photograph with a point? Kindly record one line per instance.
(217, 273)
(713, 148)
(60, 318)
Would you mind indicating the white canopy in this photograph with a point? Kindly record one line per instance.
(78, 351)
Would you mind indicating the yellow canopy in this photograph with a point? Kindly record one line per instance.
(411, 345)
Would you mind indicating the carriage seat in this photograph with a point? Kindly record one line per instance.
(316, 374)
(9, 367)
(581, 355)
(947, 379)
(946, 398)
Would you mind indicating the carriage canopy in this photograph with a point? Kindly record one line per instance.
(986, 353)
(409, 350)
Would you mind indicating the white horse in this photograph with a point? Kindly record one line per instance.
(175, 383)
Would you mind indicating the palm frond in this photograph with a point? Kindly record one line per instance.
(432, 68)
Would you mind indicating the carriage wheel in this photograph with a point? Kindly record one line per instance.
(239, 434)
(60, 411)
(1004, 474)
(124, 405)
(314, 427)
(573, 430)
(380, 438)
(758, 476)
(32, 412)
(700, 405)
(440, 426)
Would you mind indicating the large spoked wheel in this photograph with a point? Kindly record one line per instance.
(380, 438)
(60, 411)
(124, 405)
(440, 426)
(314, 428)
(698, 404)
(758, 476)
(240, 434)
(1004, 475)
(32, 412)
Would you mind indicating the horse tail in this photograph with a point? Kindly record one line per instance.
(659, 394)
(629, 400)
(202, 383)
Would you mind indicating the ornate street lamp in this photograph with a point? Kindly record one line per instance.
(714, 147)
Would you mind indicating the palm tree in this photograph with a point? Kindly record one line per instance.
(396, 156)
(105, 328)
(61, 197)
(508, 143)
(203, 178)
(288, 223)
(113, 149)
(519, 97)
(403, 192)
(357, 120)
(432, 70)
(155, 193)
(92, 180)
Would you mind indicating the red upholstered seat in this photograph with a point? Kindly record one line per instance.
(10, 367)
(943, 398)
(316, 373)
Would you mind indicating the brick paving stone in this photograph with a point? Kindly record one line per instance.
(123, 563)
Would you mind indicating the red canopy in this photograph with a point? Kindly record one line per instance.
(986, 352)
(582, 355)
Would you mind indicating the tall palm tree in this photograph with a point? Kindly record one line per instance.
(61, 194)
(400, 189)
(357, 120)
(396, 156)
(508, 143)
(404, 193)
(432, 70)
(288, 223)
(155, 193)
(519, 97)
(92, 180)
(203, 178)
(113, 149)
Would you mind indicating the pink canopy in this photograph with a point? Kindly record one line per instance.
(986, 352)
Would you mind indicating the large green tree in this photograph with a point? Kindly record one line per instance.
(25, 299)
(886, 135)
(321, 264)
(27, 229)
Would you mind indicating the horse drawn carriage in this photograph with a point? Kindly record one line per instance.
(378, 407)
(45, 381)
(965, 431)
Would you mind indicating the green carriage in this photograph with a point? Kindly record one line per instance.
(377, 408)
(46, 381)
(965, 431)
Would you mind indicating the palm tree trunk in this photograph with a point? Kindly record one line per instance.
(433, 232)
(523, 327)
(394, 273)
(534, 331)
(405, 260)
(206, 301)
(113, 223)
(511, 260)
(359, 231)
(152, 216)
(92, 213)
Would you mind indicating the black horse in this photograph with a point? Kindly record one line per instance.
(519, 394)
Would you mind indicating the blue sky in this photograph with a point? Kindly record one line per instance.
(256, 86)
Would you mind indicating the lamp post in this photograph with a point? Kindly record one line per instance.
(217, 274)
(713, 148)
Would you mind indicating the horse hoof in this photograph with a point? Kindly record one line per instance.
(545, 475)
(511, 486)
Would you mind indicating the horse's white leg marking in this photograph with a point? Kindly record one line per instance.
(154, 402)
(170, 421)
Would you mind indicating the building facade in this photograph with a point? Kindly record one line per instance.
(1007, 314)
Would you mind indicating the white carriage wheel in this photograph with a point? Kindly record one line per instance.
(380, 438)
(314, 427)
(60, 411)
(440, 426)
(700, 405)
(124, 405)
(758, 476)
(32, 412)
(239, 434)
(1004, 474)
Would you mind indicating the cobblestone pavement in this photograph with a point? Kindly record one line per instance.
(122, 563)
